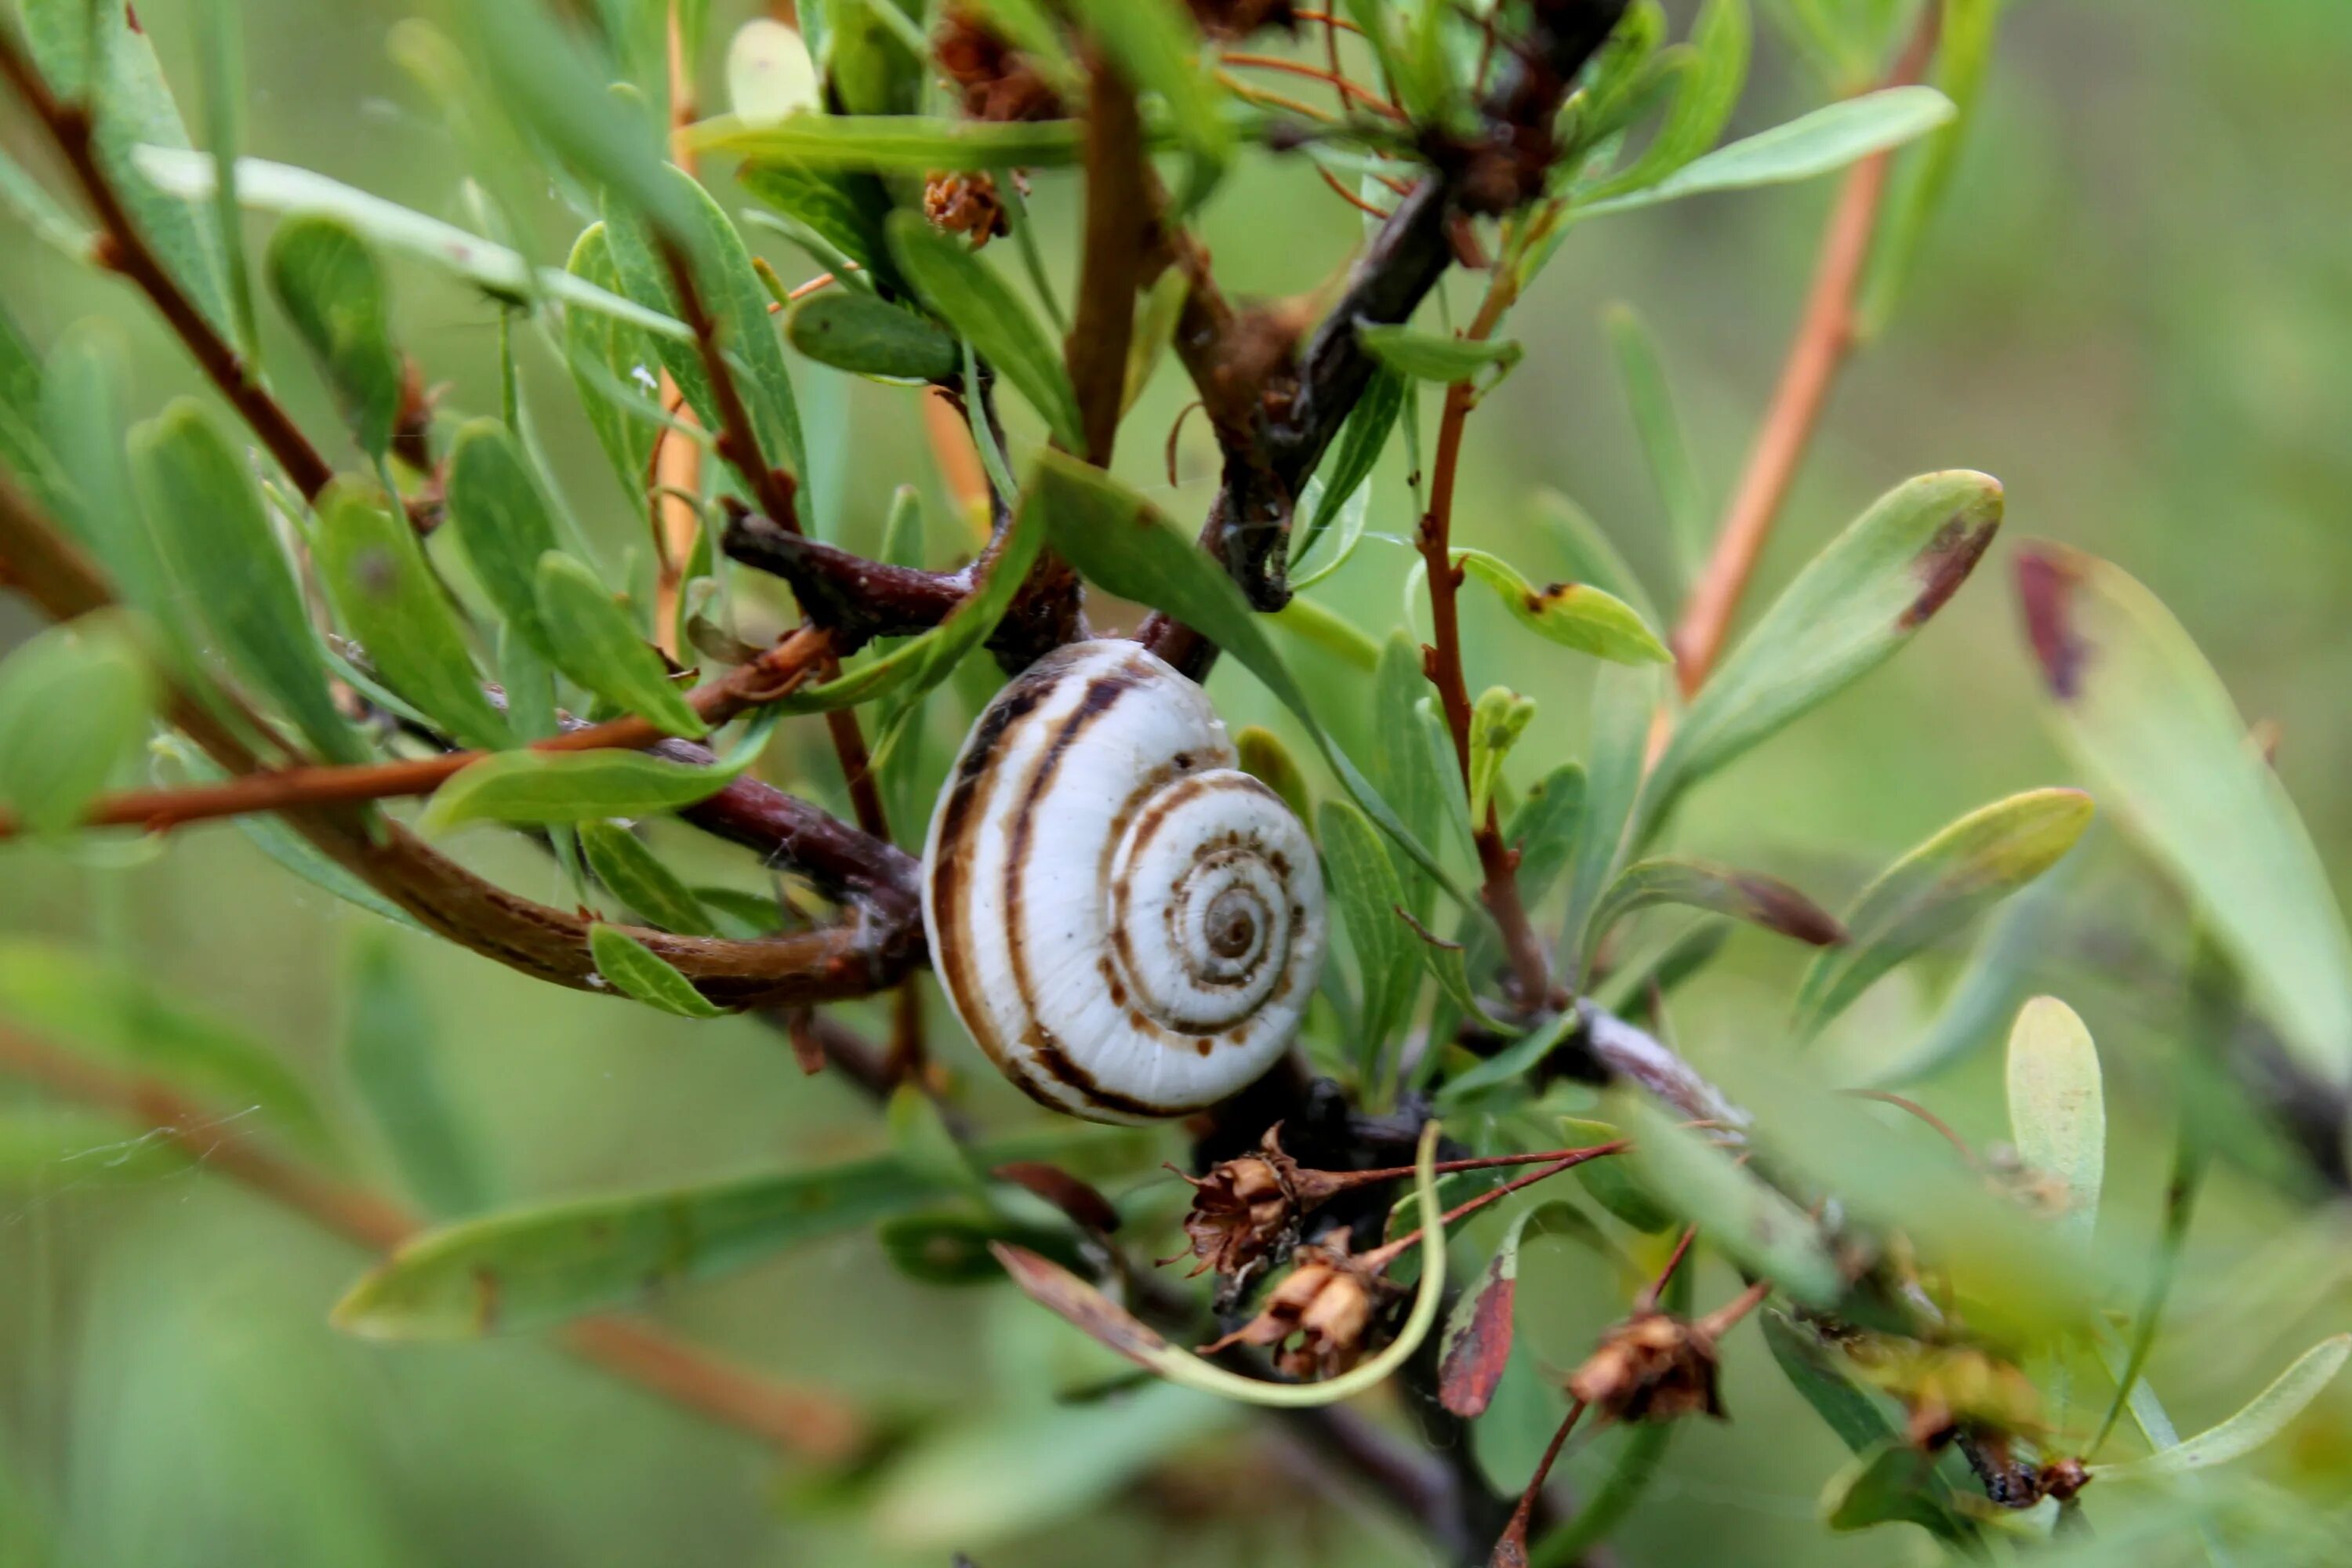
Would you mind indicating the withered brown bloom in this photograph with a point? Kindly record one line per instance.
(1319, 1315)
(997, 81)
(1654, 1366)
(965, 204)
(1245, 1209)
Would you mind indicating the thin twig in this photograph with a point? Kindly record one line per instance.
(1511, 1549)
(1348, 89)
(806, 1421)
(678, 465)
(1380, 1258)
(1823, 341)
(122, 248)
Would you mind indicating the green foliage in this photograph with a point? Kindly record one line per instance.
(967, 293)
(73, 709)
(331, 287)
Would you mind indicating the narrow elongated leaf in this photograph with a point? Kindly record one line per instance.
(1610, 1181)
(1365, 887)
(95, 54)
(74, 704)
(2265, 1416)
(1155, 45)
(1986, 996)
(636, 876)
(1859, 1421)
(893, 143)
(1544, 830)
(2150, 722)
(72, 999)
(871, 337)
(737, 301)
(1353, 457)
(1746, 1220)
(331, 287)
(1659, 429)
(2057, 1110)
(1118, 540)
(229, 571)
(1816, 143)
(505, 521)
(596, 643)
(1059, 1291)
(1895, 1482)
(1427, 356)
(524, 1270)
(1624, 698)
(620, 351)
(1720, 39)
(390, 1044)
(23, 452)
(1409, 774)
(1476, 1346)
(1964, 48)
(1936, 888)
(1573, 614)
(1746, 895)
(1859, 600)
(636, 971)
(968, 296)
(385, 595)
(568, 787)
(267, 186)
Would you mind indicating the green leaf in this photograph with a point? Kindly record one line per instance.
(2264, 1416)
(1623, 699)
(1427, 356)
(1059, 1291)
(1851, 607)
(837, 214)
(1260, 753)
(861, 334)
(539, 73)
(533, 1267)
(1937, 887)
(1827, 138)
(1610, 1181)
(1895, 1482)
(2150, 721)
(2057, 1110)
(985, 312)
(506, 523)
(23, 453)
(893, 142)
(596, 643)
(74, 704)
(1573, 614)
(738, 303)
(1589, 553)
(220, 60)
(1365, 888)
(1759, 900)
(1155, 46)
(977, 1482)
(1345, 477)
(622, 352)
(1407, 771)
(385, 595)
(134, 105)
(281, 187)
(229, 571)
(1544, 830)
(875, 54)
(1720, 39)
(73, 1000)
(1746, 1220)
(1860, 1423)
(331, 287)
(1659, 429)
(1497, 720)
(1964, 48)
(571, 787)
(636, 971)
(390, 1044)
(770, 73)
(636, 876)
(1119, 541)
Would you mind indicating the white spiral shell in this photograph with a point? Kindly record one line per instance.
(1130, 926)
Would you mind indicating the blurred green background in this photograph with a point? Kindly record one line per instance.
(2136, 310)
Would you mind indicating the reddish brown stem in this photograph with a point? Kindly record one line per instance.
(1339, 1180)
(1348, 89)
(1511, 1548)
(773, 675)
(1824, 339)
(122, 248)
(1381, 1256)
(804, 1420)
(1442, 660)
(1647, 1302)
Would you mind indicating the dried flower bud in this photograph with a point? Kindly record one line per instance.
(1324, 1307)
(965, 204)
(997, 81)
(1231, 19)
(2062, 1479)
(1246, 1208)
(1654, 1366)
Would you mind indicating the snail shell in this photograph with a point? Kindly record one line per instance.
(1130, 926)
